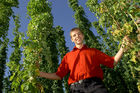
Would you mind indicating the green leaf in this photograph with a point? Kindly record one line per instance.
(12, 77)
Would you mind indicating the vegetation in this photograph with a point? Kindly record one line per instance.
(120, 18)
(5, 13)
(45, 45)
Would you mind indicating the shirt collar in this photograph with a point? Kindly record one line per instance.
(84, 47)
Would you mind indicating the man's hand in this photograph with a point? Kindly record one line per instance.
(126, 43)
(41, 74)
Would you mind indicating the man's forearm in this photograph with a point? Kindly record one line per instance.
(118, 56)
(52, 76)
(124, 47)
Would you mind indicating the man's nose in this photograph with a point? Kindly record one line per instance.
(77, 35)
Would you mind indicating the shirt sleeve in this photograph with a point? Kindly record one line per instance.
(104, 59)
(63, 68)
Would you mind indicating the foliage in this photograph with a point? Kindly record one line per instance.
(62, 49)
(6, 86)
(3, 57)
(14, 64)
(46, 44)
(120, 19)
(5, 13)
(40, 49)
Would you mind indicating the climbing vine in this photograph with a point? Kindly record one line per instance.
(121, 18)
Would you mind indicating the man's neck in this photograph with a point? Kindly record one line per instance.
(79, 46)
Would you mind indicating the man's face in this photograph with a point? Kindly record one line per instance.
(77, 37)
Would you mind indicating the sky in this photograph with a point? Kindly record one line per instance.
(63, 16)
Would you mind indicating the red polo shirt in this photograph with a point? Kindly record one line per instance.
(84, 63)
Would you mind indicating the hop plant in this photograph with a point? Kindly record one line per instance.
(120, 33)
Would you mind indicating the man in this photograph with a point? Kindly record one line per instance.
(83, 64)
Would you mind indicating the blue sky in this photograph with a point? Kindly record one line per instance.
(63, 16)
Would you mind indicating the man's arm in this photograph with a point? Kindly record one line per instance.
(52, 76)
(118, 56)
(126, 42)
